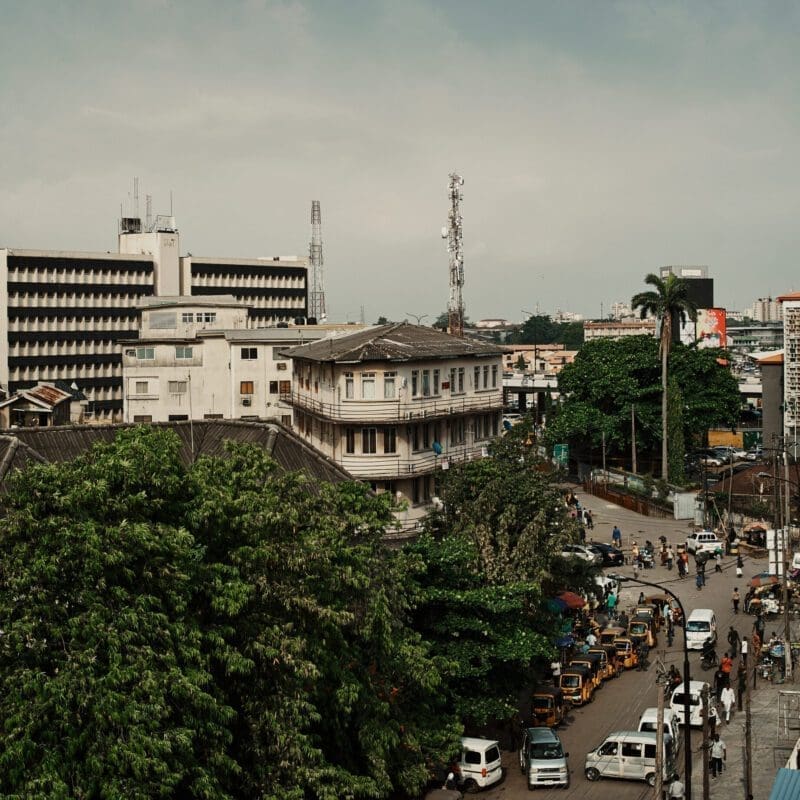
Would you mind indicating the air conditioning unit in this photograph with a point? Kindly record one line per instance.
(247, 401)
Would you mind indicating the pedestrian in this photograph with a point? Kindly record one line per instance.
(719, 683)
(733, 641)
(616, 537)
(756, 642)
(744, 650)
(726, 665)
(589, 519)
(739, 566)
(641, 600)
(712, 718)
(681, 566)
(555, 669)
(623, 620)
(670, 556)
(591, 639)
(582, 534)
(676, 790)
(718, 560)
(758, 626)
(735, 598)
(718, 755)
(635, 553)
(636, 564)
(670, 630)
(727, 699)
(698, 580)
(611, 604)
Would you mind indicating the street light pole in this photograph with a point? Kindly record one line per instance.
(687, 728)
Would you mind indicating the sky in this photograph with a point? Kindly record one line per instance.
(597, 140)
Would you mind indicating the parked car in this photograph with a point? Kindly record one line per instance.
(611, 556)
(729, 454)
(708, 459)
(755, 453)
(581, 551)
(704, 541)
(480, 764)
(542, 759)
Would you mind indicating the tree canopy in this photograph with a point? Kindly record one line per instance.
(540, 329)
(609, 377)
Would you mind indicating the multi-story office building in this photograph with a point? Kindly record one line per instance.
(196, 358)
(395, 404)
(616, 329)
(791, 369)
(765, 309)
(63, 314)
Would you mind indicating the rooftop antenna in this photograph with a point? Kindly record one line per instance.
(453, 233)
(148, 204)
(316, 296)
(135, 197)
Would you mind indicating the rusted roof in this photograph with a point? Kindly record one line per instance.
(41, 394)
(775, 358)
(790, 296)
(20, 447)
(398, 341)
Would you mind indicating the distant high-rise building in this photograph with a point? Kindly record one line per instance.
(765, 309)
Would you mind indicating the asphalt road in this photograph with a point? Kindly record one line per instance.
(619, 703)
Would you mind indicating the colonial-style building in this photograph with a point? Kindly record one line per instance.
(395, 404)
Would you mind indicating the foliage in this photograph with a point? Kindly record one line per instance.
(488, 571)
(443, 320)
(540, 329)
(669, 299)
(608, 377)
(209, 632)
(382, 320)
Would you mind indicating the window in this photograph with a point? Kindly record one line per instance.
(349, 390)
(485, 376)
(390, 440)
(476, 378)
(414, 382)
(609, 749)
(246, 387)
(177, 387)
(349, 440)
(286, 419)
(207, 316)
(178, 417)
(213, 416)
(284, 387)
(143, 418)
(142, 387)
(453, 374)
(632, 749)
(388, 385)
(426, 382)
(494, 376)
(281, 365)
(183, 352)
(436, 381)
(650, 751)
(249, 353)
(145, 353)
(369, 439)
(163, 320)
(187, 316)
(368, 386)
(461, 380)
(426, 436)
(415, 437)
(457, 431)
(273, 387)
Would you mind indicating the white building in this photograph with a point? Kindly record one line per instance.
(196, 358)
(765, 309)
(791, 369)
(394, 404)
(616, 329)
(63, 314)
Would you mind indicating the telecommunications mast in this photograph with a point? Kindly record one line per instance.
(316, 295)
(455, 305)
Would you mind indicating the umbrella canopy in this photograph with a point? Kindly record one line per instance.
(572, 600)
(764, 579)
(755, 526)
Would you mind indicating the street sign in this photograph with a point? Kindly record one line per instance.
(561, 454)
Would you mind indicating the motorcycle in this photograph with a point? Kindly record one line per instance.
(709, 658)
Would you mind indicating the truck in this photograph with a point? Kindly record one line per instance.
(704, 542)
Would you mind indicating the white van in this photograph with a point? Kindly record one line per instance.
(649, 722)
(695, 702)
(480, 763)
(630, 755)
(542, 759)
(701, 625)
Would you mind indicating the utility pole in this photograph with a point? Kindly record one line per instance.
(605, 474)
(633, 438)
(659, 742)
(453, 233)
(748, 730)
(704, 750)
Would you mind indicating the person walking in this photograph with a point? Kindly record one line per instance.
(670, 556)
(718, 755)
(611, 605)
(676, 789)
(635, 553)
(728, 698)
(616, 537)
(681, 566)
(735, 599)
(718, 560)
(739, 566)
(726, 665)
(733, 641)
(744, 651)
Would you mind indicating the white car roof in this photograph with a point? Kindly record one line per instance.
(473, 743)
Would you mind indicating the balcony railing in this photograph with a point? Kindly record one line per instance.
(394, 411)
(388, 467)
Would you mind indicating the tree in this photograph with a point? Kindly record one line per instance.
(443, 320)
(571, 335)
(219, 631)
(608, 377)
(537, 329)
(489, 568)
(668, 300)
(382, 321)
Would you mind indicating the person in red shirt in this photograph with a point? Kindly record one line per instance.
(726, 665)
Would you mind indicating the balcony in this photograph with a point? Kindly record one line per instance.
(391, 412)
(388, 467)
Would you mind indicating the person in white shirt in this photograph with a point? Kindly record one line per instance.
(718, 755)
(676, 789)
(591, 639)
(727, 698)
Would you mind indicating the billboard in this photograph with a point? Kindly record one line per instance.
(711, 328)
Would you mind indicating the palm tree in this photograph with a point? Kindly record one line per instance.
(668, 300)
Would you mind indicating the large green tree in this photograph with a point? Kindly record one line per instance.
(213, 632)
(609, 377)
(668, 300)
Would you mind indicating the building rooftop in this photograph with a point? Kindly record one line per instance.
(398, 341)
(167, 301)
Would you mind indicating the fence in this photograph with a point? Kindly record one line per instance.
(631, 502)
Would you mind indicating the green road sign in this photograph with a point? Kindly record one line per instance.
(561, 453)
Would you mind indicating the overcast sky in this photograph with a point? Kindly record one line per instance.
(597, 140)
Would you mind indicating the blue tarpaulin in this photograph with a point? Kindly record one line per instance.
(786, 786)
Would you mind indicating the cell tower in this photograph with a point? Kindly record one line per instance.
(316, 295)
(452, 232)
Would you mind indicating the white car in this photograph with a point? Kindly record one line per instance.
(704, 542)
(579, 551)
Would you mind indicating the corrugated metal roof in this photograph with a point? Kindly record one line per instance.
(786, 786)
(22, 446)
(398, 341)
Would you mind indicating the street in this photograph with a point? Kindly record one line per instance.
(619, 703)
